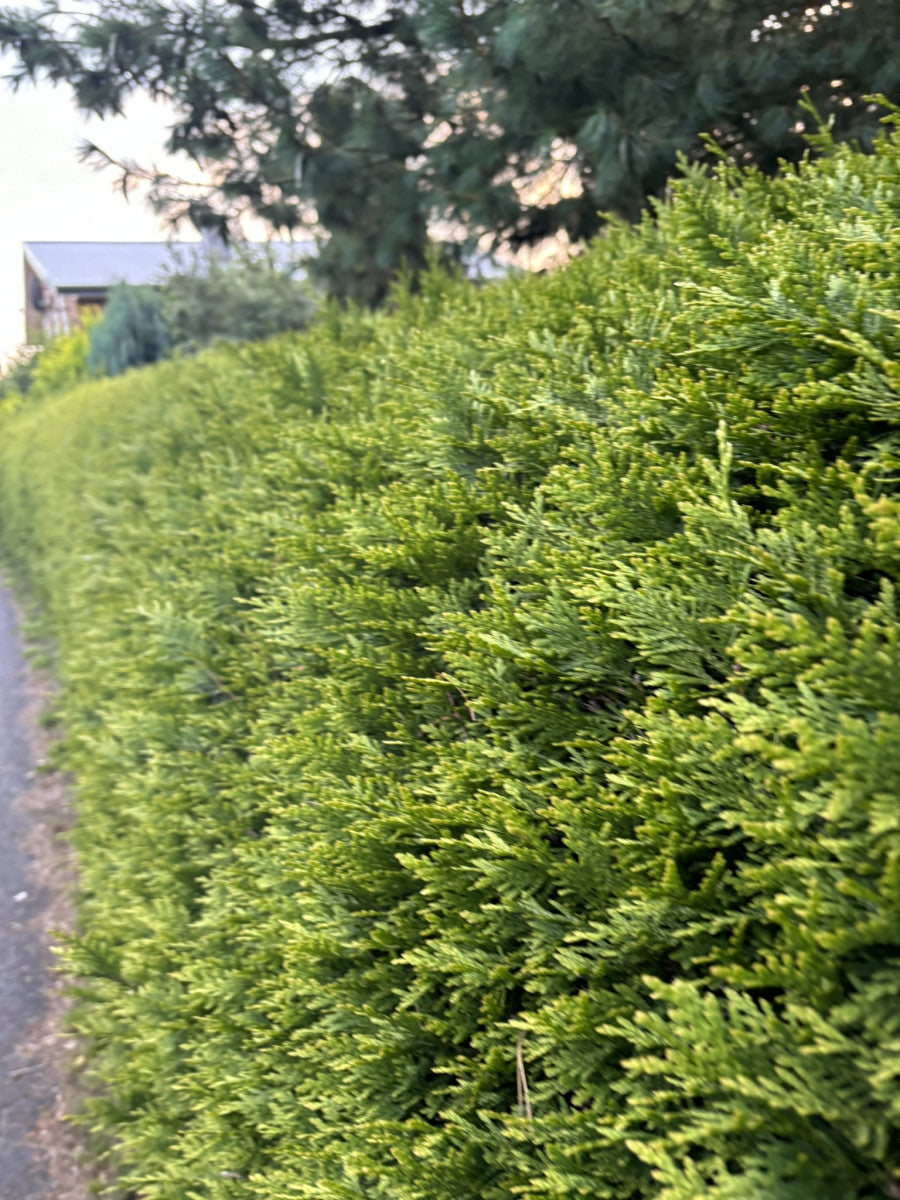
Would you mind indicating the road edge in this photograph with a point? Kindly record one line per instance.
(47, 808)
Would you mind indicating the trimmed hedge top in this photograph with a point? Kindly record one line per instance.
(486, 720)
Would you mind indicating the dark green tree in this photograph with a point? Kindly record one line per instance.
(131, 333)
(305, 113)
(499, 120)
(567, 109)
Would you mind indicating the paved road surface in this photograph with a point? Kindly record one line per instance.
(24, 1087)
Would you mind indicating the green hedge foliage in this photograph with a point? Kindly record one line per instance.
(486, 722)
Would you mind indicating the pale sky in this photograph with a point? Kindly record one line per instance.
(46, 195)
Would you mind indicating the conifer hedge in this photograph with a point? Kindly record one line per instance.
(486, 723)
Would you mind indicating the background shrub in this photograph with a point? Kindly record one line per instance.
(241, 296)
(63, 362)
(485, 720)
(131, 333)
(58, 366)
(17, 372)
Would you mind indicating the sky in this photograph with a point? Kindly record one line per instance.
(46, 195)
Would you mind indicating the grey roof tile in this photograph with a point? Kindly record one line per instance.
(87, 265)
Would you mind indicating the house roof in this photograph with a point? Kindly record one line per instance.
(82, 266)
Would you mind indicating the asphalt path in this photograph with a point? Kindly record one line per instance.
(25, 1088)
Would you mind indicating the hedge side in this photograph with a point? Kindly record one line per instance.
(485, 720)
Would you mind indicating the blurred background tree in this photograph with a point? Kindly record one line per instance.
(496, 123)
(131, 333)
(241, 293)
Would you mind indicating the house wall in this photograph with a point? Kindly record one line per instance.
(34, 320)
(61, 313)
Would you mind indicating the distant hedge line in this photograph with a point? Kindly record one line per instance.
(486, 720)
